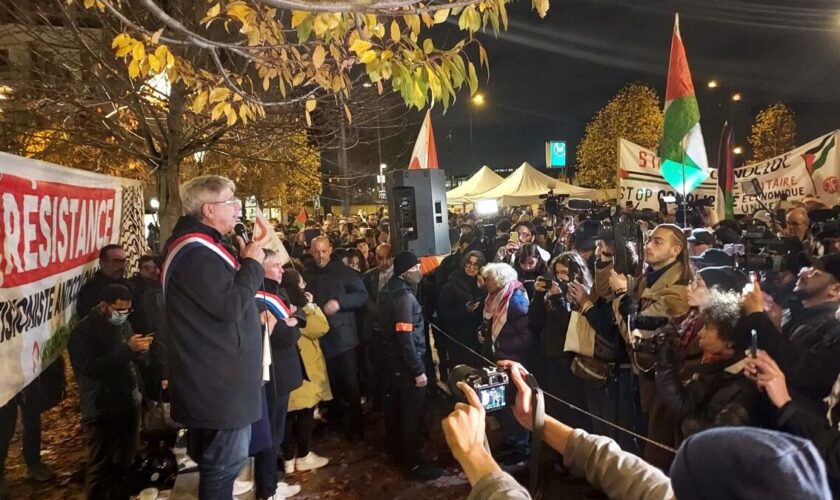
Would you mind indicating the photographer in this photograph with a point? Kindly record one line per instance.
(529, 265)
(707, 465)
(525, 234)
(661, 291)
(506, 334)
(549, 316)
(715, 393)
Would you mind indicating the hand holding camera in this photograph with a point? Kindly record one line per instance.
(522, 410)
(763, 370)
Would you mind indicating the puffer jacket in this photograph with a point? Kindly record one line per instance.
(317, 387)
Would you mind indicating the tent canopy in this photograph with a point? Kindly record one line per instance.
(525, 185)
(483, 180)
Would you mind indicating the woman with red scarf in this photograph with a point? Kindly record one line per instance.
(506, 334)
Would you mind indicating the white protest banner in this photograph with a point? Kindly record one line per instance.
(811, 169)
(53, 221)
(640, 182)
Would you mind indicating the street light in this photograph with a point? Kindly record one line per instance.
(713, 84)
(736, 96)
(367, 85)
(477, 101)
(738, 150)
(154, 204)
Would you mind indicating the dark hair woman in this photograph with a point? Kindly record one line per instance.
(459, 310)
(550, 312)
(529, 265)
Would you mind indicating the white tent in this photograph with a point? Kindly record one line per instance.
(483, 180)
(525, 185)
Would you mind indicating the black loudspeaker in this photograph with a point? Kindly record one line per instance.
(418, 219)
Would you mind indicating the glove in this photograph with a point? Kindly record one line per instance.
(421, 380)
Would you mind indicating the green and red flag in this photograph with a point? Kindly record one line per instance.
(724, 205)
(682, 150)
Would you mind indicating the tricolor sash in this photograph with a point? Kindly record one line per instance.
(274, 304)
(183, 245)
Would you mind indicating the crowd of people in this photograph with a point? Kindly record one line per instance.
(663, 332)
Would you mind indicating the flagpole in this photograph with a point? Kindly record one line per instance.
(685, 197)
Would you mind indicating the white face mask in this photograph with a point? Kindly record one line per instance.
(118, 317)
(413, 276)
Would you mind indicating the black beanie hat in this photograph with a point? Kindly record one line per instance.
(725, 278)
(403, 262)
(830, 264)
(748, 462)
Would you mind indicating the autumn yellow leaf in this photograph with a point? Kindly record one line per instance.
(219, 94)
(120, 41)
(138, 52)
(441, 16)
(230, 114)
(218, 110)
(134, 69)
(156, 36)
(349, 115)
(308, 118)
(318, 56)
(199, 102)
(310, 105)
(395, 31)
(367, 56)
(298, 17)
(154, 63)
(213, 11)
(360, 46)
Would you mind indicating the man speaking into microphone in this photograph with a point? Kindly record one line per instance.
(214, 326)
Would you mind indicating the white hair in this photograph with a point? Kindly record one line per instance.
(201, 190)
(499, 273)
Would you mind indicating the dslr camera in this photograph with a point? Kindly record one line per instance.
(649, 331)
(491, 384)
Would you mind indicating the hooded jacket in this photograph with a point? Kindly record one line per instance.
(215, 342)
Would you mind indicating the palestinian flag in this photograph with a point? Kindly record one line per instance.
(682, 151)
(723, 198)
(816, 157)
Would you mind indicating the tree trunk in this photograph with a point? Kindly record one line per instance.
(344, 168)
(169, 179)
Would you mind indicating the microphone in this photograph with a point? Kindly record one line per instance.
(240, 231)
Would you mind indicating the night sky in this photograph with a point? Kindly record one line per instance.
(549, 77)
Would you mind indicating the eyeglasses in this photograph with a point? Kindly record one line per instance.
(233, 201)
(473, 265)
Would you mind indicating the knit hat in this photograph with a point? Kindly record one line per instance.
(726, 278)
(748, 462)
(403, 262)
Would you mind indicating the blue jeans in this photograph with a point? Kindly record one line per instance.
(220, 455)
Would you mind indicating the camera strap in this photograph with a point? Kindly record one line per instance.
(538, 424)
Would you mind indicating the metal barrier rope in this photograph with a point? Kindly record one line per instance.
(559, 400)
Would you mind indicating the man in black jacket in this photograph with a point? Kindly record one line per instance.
(111, 271)
(402, 323)
(102, 348)
(215, 345)
(339, 291)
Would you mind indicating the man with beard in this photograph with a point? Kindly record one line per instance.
(111, 272)
(339, 292)
(808, 348)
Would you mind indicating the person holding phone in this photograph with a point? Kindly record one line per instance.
(459, 311)
(524, 234)
(529, 266)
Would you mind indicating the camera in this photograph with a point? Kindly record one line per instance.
(491, 384)
(650, 331)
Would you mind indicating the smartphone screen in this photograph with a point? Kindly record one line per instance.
(514, 236)
(753, 343)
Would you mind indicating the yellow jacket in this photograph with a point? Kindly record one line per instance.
(317, 388)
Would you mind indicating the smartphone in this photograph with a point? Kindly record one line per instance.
(753, 343)
(514, 236)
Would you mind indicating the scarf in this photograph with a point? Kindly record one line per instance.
(496, 307)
